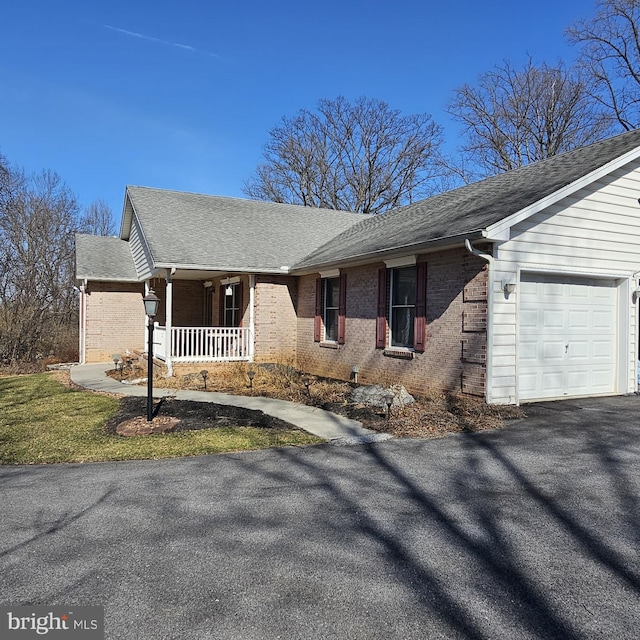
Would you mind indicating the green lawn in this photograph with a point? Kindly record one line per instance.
(42, 421)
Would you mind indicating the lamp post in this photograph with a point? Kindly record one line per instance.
(151, 302)
(388, 400)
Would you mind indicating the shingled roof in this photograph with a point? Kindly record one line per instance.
(198, 231)
(469, 210)
(104, 258)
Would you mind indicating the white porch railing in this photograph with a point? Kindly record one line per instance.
(159, 334)
(209, 344)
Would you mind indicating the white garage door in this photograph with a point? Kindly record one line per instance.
(568, 337)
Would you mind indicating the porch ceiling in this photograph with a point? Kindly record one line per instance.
(194, 274)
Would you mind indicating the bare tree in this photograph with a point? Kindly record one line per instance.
(515, 117)
(97, 219)
(363, 157)
(38, 218)
(610, 56)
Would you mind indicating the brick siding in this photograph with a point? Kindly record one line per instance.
(115, 319)
(455, 354)
(275, 319)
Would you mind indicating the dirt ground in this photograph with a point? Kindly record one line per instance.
(430, 416)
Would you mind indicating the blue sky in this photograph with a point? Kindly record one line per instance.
(181, 95)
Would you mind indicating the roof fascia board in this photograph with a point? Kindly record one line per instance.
(228, 269)
(500, 230)
(388, 254)
(127, 216)
(105, 279)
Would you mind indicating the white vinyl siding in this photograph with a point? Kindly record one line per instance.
(140, 251)
(595, 232)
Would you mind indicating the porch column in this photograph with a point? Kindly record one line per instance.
(168, 320)
(252, 316)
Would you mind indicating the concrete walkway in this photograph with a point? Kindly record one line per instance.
(324, 424)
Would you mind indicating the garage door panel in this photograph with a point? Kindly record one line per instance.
(567, 336)
(553, 350)
(579, 319)
(553, 319)
(551, 380)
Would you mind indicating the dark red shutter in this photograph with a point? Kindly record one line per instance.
(420, 322)
(381, 321)
(342, 308)
(317, 320)
(239, 303)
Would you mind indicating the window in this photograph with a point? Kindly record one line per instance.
(330, 308)
(401, 321)
(330, 316)
(231, 304)
(402, 309)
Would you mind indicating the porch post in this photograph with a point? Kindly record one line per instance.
(168, 320)
(252, 316)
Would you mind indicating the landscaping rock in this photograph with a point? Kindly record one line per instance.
(374, 396)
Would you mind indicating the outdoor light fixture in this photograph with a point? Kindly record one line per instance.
(251, 374)
(229, 290)
(205, 374)
(116, 357)
(151, 302)
(508, 286)
(388, 400)
(306, 381)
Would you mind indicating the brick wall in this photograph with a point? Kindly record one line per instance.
(115, 319)
(188, 302)
(275, 319)
(455, 353)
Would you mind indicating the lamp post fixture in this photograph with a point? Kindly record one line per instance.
(388, 400)
(306, 381)
(251, 374)
(151, 302)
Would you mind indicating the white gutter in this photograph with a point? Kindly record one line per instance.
(488, 365)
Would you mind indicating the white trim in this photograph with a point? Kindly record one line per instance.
(331, 273)
(404, 261)
(501, 228)
(252, 316)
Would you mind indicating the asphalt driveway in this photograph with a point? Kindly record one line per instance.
(528, 532)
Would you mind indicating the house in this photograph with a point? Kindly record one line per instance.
(516, 288)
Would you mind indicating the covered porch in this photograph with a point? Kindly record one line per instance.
(203, 317)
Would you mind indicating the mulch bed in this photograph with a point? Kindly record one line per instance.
(185, 415)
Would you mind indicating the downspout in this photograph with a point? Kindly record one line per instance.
(252, 316)
(488, 366)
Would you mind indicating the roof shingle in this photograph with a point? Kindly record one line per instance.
(469, 209)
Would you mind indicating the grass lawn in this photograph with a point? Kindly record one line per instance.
(43, 421)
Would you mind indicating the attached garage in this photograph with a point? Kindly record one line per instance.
(568, 336)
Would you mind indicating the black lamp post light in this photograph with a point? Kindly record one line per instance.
(306, 381)
(151, 302)
(388, 400)
(251, 374)
(205, 374)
